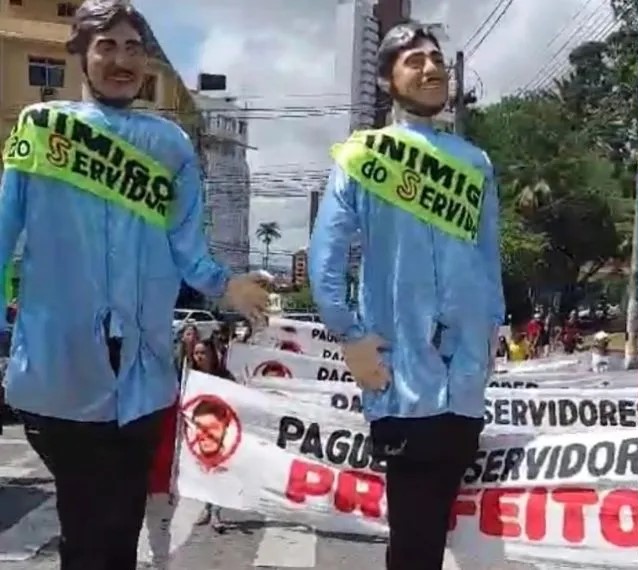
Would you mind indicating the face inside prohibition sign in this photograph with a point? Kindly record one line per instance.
(213, 431)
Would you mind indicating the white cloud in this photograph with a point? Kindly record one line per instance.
(271, 49)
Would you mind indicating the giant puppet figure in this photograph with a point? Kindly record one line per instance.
(110, 201)
(422, 342)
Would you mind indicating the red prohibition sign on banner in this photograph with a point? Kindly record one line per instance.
(212, 430)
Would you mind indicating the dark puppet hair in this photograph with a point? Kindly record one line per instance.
(400, 38)
(95, 16)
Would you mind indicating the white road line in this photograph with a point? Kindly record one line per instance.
(157, 539)
(13, 441)
(19, 467)
(287, 547)
(33, 531)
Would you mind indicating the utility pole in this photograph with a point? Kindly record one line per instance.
(631, 344)
(459, 98)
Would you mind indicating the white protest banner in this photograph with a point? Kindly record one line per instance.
(311, 339)
(536, 498)
(564, 362)
(570, 380)
(546, 410)
(246, 361)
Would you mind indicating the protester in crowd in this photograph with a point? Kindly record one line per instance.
(423, 342)
(188, 338)
(549, 340)
(105, 270)
(600, 352)
(503, 350)
(535, 333)
(571, 336)
(225, 336)
(519, 348)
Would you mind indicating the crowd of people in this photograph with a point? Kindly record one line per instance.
(544, 334)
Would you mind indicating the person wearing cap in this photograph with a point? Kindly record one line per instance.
(423, 341)
(110, 201)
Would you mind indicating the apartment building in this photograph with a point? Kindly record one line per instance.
(300, 268)
(34, 65)
(222, 146)
(356, 59)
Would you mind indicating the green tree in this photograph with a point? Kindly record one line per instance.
(300, 300)
(603, 82)
(268, 232)
(559, 196)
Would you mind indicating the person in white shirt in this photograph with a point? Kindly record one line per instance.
(600, 352)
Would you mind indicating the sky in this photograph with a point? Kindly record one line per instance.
(281, 53)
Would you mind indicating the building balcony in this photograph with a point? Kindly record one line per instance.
(33, 30)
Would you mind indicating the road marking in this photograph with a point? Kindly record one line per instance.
(159, 540)
(13, 441)
(33, 531)
(287, 547)
(19, 467)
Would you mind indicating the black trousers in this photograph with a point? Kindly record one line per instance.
(425, 461)
(101, 475)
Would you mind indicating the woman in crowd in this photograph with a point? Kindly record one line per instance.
(503, 350)
(188, 338)
(206, 359)
(519, 348)
(571, 335)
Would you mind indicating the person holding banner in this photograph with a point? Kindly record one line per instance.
(423, 341)
(110, 201)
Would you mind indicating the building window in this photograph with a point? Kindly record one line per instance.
(242, 127)
(46, 72)
(66, 9)
(148, 92)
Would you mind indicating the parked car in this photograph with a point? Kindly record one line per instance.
(237, 321)
(204, 321)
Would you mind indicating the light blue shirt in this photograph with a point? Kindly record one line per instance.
(413, 277)
(85, 258)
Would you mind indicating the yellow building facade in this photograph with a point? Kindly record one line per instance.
(34, 65)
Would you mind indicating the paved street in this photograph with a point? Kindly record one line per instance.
(28, 529)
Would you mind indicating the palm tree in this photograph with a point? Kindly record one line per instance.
(267, 232)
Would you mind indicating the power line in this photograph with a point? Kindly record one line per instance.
(559, 70)
(578, 22)
(490, 29)
(283, 96)
(573, 18)
(554, 61)
(556, 64)
(499, 3)
(251, 113)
